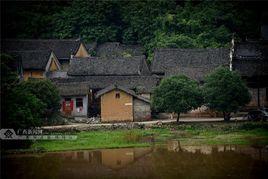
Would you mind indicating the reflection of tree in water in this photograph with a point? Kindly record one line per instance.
(185, 164)
(31, 167)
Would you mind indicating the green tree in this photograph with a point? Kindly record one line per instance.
(225, 91)
(19, 109)
(22, 109)
(177, 94)
(45, 91)
(92, 20)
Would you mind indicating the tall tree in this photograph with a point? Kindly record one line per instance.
(177, 94)
(225, 91)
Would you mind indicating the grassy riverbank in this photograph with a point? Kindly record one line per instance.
(243, 133)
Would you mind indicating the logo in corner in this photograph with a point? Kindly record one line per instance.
(8, 134)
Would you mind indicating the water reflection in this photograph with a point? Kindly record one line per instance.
(169, 161)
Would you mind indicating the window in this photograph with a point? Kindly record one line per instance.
(117, 95)
(79, 102)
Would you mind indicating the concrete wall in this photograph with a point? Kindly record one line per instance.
(254, 97)
(116, 109)
(142, 110)
(76, 111)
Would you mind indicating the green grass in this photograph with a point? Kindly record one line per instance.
(187, 134)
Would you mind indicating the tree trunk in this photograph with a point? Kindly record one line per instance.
(178, 117)
(226, 116)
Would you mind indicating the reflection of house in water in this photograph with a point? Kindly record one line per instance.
(111, 158)
(119, 158)
(93, 157)
(255, 153)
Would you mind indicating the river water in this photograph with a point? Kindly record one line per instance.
(166, 161)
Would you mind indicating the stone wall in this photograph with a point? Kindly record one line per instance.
(142, 110)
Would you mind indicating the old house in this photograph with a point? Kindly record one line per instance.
(74, 99)
(194, 63)
(36, 64)
(250, 60)
(114, 81)
(98, 73)
(63, 50)
(121, 104)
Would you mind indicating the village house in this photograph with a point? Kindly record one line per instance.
(33, 54)
(99, 73)
(36, 64)
(194, 63)
(114, 82)
(250, 60)
(120, 104)
(74, 99)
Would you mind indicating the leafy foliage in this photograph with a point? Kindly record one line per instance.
(177, 94)
(225, 91)
(45, 91)
(92, 20)
(25, 104)
(23, 109)
(161, 23)
(20, 109)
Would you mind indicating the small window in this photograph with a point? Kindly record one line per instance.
(79, 102)
(117, 95)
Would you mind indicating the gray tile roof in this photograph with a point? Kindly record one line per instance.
(115, 49)
(194, 63)
(63, 48)
(33, 60)
(140, 84)
(115, 87)
(95, 66)
(68, 89)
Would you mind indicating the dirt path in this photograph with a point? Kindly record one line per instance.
(83, 126)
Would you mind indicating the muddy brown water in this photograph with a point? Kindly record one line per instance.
(166, 161)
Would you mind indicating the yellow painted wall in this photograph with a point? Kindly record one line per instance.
(116, 109)
(82, 52)
(33, 74)
(53, 66)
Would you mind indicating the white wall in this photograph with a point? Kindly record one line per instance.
(75, 112)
